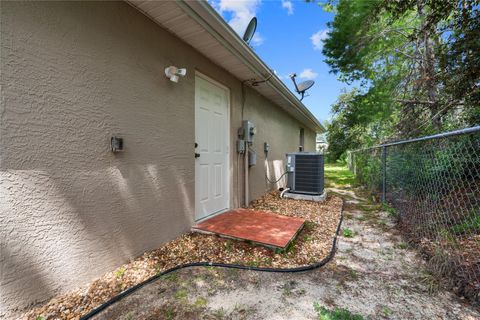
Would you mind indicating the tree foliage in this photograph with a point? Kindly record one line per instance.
(417, 63)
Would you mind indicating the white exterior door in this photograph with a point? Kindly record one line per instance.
(212, 133)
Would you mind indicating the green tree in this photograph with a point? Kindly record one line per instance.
(417, 62)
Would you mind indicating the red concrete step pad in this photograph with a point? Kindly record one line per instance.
(257, 226)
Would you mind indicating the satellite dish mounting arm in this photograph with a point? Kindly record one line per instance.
(292, 76)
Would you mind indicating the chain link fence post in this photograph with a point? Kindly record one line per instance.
(384, 173)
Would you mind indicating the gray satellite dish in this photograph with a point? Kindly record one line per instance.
(302, 86)
(250, 31)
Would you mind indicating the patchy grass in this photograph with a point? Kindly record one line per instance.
(170, 313)
(170, 277)
(229, 246)
(347, 233)
(382, 223)
(288, 287)
(200, 302)
(336, 314)
(470, 225)
(337, 175)
(307, 238)
(371, 208)
(219, 313)
(309, 225)
(402, 245)
(345, 275)
(361, 218)
(431, 282)
(387, 312)
(348, 216)
(120, 272)
(391, 211)
(353, 274)
(181, 294)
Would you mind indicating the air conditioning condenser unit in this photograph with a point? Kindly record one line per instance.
(305, 173)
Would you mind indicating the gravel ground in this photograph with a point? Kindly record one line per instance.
(312, 245)
(374, 274)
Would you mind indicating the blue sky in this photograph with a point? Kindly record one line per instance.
(288, 39)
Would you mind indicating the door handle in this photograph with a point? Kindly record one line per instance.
(197, 155)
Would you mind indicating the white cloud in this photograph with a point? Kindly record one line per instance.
(317, 39)
(286, 4)
(280, 76)
(256, 40)
(242, 11)
(308, 74)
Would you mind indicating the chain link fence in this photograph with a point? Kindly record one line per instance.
(434, 185)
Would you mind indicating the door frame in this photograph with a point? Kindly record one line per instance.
(229, 185)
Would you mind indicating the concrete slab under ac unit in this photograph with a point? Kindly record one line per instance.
(309, 197)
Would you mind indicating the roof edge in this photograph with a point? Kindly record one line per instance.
(204, 13)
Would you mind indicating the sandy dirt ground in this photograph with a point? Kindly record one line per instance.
(373, 274)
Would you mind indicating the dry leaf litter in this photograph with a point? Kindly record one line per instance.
(312, 245)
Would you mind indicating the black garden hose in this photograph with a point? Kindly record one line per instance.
(130, 290)
(277, 179)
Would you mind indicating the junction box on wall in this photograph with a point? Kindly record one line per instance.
(252, 158)
(266, 147)
(249, 130)
(246, 134)
(241, 146)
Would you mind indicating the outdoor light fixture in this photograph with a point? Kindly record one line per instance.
(116, 144)
(173, 73)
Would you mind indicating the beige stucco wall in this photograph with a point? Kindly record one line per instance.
(281, 132)
(72, 75)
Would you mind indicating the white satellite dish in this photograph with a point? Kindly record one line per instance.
(250, 31)
(302, 86)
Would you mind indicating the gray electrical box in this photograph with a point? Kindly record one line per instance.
(252, 158)
(266, 147)
(249, 131)
(241, 146)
